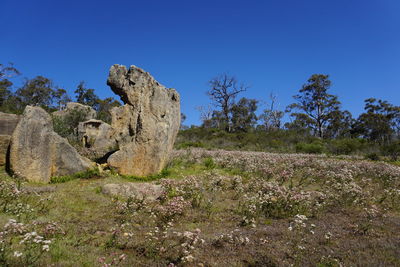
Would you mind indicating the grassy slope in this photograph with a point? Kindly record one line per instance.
(88, 218)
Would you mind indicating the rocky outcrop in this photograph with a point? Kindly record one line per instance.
(145, 128)
(85, 112)
(136, 190)
(97, 136)
(37, 153)
(138, 141)
(8, 122)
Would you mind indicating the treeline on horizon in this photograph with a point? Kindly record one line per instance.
(318, 122)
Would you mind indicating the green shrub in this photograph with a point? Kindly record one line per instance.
(60, 126)
(164, 173)
(189, 144)
(209, 163)
(392, 151)
(279, 140)
(345, 146)
(373, 156)
(65, 125)
(313, 148)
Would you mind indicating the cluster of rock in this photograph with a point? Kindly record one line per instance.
(138, 141)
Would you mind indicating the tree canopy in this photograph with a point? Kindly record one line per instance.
(316, 107)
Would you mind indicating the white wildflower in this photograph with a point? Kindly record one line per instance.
(17, 254)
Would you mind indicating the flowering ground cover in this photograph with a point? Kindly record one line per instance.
(219, 208)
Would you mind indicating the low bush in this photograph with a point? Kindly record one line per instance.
(281, 141)
(209, 163)
(313, 148)
(189, 144)
(345, 146)
(373, 156)
(66, 125)
(21, 245)
(392, 151)
(162, 174)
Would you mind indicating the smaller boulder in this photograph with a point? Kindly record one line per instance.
(147, 191)
(87, 112)
(96, 135)
(8, 122)
(4, 143)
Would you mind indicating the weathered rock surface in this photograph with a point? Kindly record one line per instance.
(138, 190)
(37, 153)
(145, 128)
(8, 122)
(97, 136)
(72, 107)
(4, 143)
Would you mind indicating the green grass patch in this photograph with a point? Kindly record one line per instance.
(397, 163)
(163, 174)
(209, 163)
(80, 175)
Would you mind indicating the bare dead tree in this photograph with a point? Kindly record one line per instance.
(205, 112)
(223, 90)
(8, 71)
(271, 115)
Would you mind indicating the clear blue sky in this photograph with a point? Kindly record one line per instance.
(270, 45)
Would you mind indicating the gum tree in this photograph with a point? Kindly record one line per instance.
(315, 106)
(6, 95)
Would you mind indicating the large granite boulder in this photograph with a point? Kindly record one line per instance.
(8, 122)
(96, 135)
(145, 128)
(37, 153)
(85, 112)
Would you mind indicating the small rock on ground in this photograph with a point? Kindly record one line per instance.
(148, 191)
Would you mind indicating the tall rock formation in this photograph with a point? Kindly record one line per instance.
(37, 153)
(145, 128)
